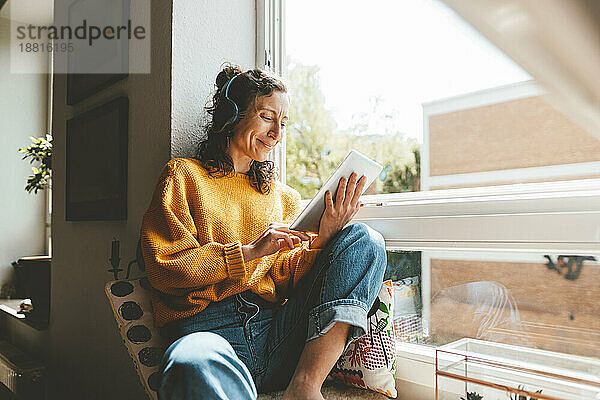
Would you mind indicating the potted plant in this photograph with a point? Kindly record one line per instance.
(33, 273)
(40, 151)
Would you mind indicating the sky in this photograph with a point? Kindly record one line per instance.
(406, 52)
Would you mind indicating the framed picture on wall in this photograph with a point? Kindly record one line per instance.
(97, 144)
(93, 68)
(80, 86)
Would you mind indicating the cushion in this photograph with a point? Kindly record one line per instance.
(370, 361)
(407, 310)
(131, 304)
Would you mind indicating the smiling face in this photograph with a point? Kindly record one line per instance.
(257, 134)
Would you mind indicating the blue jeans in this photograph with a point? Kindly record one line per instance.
(244, 343)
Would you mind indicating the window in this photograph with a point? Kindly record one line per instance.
(490, 196)
(48, 208)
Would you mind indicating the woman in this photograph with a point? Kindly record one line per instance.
(248, 303)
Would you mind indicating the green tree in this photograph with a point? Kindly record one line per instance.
(308, 155)
(315, 145)
(402, 264)
(375, 133)
(406, 178)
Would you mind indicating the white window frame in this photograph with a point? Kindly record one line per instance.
(492, 218)
(544, 218)
(48, 197)
(270, 55)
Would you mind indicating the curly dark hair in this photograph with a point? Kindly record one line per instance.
(244, 90)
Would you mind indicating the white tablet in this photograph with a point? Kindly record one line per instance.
(309, 218)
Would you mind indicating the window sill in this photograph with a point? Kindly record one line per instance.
(11, 306)
(415, 378)
(335, 393)
(415, 365)
(557, 373)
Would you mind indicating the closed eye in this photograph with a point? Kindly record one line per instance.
(270, 119)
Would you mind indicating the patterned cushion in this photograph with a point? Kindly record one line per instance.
(370, 361)
(130, 302)
(407, 310)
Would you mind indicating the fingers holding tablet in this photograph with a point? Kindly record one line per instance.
(341, 190)
(358, 191)
(350, 189)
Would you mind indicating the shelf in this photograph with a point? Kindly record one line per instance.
(11, 306)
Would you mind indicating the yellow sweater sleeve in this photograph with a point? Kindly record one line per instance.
(291, 265)
(175, 260)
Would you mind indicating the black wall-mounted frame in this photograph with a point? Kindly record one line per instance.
(80, 86)
(83, 85)
(97, 146)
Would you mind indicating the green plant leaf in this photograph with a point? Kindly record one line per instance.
(383, 308)
(40, 152)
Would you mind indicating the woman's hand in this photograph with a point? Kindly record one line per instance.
(274, 238)
(338, 214)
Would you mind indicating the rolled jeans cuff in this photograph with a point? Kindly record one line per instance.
(322, 318)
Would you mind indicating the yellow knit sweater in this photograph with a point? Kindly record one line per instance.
(192, 236)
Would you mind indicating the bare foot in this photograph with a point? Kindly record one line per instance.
(302, 392)
(317, 359)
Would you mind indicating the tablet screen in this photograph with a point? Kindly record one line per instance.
(310, 217)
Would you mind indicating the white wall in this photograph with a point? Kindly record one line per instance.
(84, 353)
(23, 113)
(206, 33)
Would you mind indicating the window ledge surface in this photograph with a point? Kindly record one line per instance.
(334, 392)
(414, 378)
(10, 307)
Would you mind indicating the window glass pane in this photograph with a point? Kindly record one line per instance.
(541, 301)
(413, 86)
(404, 269)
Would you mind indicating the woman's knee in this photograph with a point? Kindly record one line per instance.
(362, 236)
(360, 231)
(204, 364)
(197, 349)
